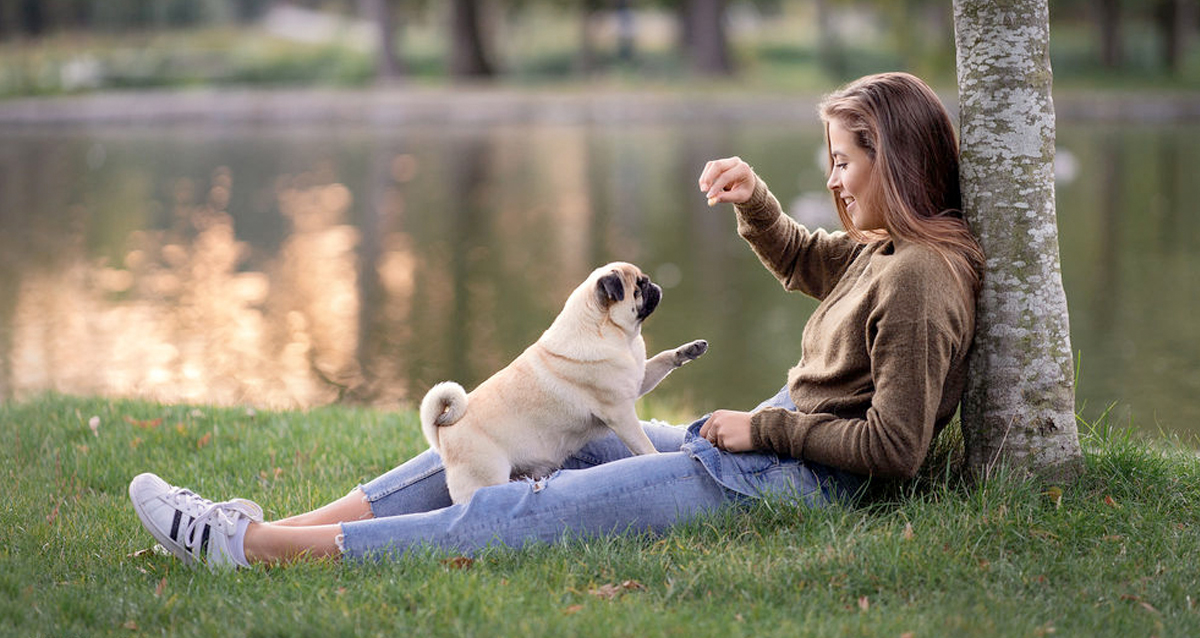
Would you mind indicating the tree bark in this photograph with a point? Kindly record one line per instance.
(1108, 20)
(388, 67)
(468, 56)
(704, 34)
(1019, 406)
(1175, 19)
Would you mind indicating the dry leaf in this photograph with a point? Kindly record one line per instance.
(458, 562)
(146, 425)
(137, 440)
(162, 586)
(140, 553)
(908, 634)
(632, 584)
(94, 424)
(1108, 500)
(204, 440)
(612, 590)
(53, 514)
(130, 625)
(908, 532)
(1055, 493)
(864, 604)
(573, 609)
(607, 592)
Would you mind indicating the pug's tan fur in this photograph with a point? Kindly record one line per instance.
(580, 379)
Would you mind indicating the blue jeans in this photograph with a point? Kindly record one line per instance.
(602, 489)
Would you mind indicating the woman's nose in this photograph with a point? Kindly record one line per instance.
(833, 181)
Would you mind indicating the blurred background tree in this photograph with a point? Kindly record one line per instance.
(63, 46)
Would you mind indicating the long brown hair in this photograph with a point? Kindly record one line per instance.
(907, 133)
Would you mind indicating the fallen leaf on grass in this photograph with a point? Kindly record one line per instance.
(1055, 493)
(130, 625)
(161, 587)
(94, 424)
(459, 562)
(864, 604)
(1108, 500)
(908, 532)
(611, 590)
(573, 609)
(1138, 599)
(53, 514)
(204, 440)
(141, 552)
(145, 425)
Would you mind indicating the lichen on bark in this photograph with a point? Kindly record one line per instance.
(1019, 404)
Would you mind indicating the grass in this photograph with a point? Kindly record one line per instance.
(1117, 553)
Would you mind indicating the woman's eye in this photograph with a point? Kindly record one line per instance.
(841, 166)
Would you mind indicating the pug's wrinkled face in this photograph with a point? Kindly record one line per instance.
(627, 293)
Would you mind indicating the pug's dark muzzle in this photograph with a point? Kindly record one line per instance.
(651, 295)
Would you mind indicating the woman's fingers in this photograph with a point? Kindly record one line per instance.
(714, 169)
(727, 180)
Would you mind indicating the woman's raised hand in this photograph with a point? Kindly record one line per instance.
(728, 180)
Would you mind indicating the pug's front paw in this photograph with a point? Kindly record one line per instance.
(690, 351)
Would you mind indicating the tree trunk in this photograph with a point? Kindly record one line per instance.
(468, 56)
(1175, 19)
(1108, 19)
(388, 67)
(704, 33)
(829, 48)
(1019, 405)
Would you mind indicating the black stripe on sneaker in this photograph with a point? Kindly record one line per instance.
(204, 540)
(175, 526)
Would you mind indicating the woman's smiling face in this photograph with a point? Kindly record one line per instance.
(850, 177)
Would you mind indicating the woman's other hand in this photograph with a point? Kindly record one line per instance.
(728, 180)
(728, 430)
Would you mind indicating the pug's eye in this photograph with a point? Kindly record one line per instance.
(637, 293)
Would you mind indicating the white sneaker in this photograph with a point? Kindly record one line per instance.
(192, 528)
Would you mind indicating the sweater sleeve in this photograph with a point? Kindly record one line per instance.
(911, 348)
(810, 262)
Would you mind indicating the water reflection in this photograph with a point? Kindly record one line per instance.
(291, 267)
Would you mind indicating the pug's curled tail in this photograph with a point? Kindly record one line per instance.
(443, 405)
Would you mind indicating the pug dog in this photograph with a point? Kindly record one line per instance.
(578, 380)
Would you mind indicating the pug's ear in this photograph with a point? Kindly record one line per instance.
(610, 289)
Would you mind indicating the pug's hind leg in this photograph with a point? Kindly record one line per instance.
(463, 480)
(661, 364)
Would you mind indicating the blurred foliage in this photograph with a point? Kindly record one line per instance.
(69, 46)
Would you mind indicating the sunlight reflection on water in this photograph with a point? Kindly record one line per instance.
(282, 267)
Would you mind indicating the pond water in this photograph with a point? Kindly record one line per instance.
(292, 266)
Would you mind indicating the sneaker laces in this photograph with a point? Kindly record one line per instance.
(223, 516)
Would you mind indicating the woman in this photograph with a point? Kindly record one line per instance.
(883, 369)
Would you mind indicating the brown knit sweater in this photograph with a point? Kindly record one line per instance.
(884, 354)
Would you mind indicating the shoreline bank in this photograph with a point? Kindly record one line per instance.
(486, 105)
